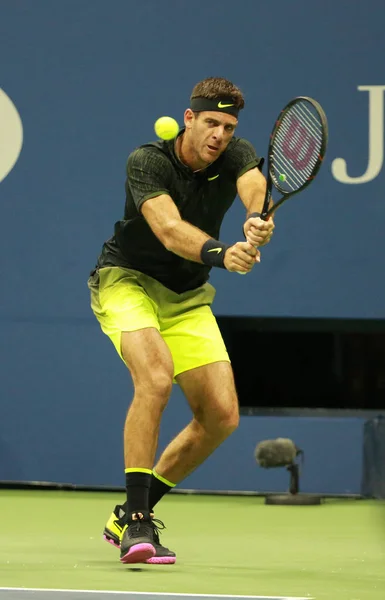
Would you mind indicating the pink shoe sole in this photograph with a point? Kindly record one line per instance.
(161, 560)
(138, 553)
(155, 560)
(110, 541)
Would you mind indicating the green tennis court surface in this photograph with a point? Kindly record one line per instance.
(234, 546)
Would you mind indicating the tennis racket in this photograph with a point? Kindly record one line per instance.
(297, 148)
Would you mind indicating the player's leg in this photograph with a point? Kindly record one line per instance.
(151, 367)
(121, 305)
(149, 361)
(210, 391)
(203, 370)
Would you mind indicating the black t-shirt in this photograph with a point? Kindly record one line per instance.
(202, 199)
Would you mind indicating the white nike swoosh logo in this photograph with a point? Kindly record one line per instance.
(217, 250)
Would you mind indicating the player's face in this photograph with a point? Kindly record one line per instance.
(210, 134)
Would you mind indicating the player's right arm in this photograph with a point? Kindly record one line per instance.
(149, 173)
(187, 241)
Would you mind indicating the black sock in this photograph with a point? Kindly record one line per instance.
(137, 487)
(158, 489)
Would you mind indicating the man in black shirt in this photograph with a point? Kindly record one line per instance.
(151, 296)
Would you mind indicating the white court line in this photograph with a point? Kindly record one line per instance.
(160, 594)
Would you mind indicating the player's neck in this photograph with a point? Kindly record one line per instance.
(187, 154)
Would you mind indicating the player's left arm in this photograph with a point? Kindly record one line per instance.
(251, 187)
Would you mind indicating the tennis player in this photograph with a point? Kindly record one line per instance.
(151, 296)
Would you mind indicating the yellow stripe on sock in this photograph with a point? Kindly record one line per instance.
(138, 471)
(163, 479)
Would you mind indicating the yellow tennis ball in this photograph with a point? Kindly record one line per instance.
(166, 128)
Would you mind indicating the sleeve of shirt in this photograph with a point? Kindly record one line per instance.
(148, 174)
(243, 157)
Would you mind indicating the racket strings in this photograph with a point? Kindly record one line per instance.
(312, 122)
(296, 147)
(307, 120)
(284, 165)
(296, 150)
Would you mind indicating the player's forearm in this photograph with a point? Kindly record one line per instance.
(185, 240)
(251, 187)
(256, 205)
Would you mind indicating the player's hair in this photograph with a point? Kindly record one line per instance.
(218, 87)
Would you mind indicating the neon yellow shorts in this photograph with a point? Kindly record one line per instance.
(127, 300)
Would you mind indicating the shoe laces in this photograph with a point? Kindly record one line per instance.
(140, 527)
(157, 525)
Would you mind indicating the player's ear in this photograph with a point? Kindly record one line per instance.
(188, 118)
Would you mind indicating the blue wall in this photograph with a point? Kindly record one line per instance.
(88, 80)
(70, 435)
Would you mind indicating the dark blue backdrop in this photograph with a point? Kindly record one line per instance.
(89, 79)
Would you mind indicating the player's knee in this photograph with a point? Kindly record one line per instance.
(156, 385)
(227, 421)
(161, 383)
(231, 423)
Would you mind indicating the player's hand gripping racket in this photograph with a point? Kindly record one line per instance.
(296, 150)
